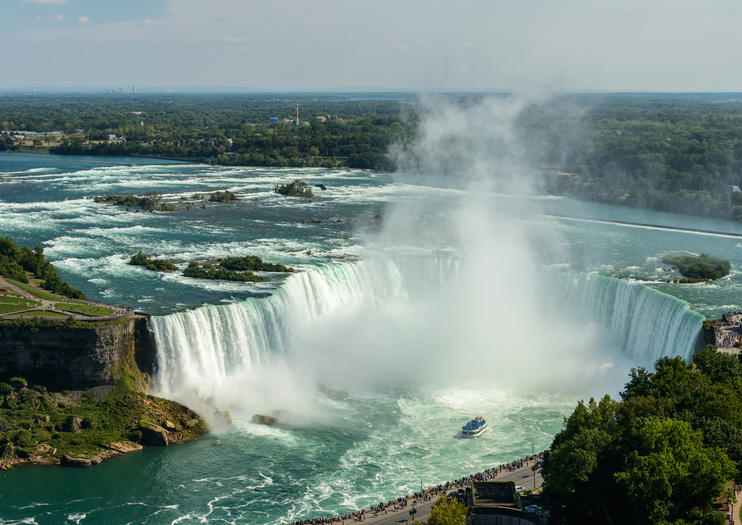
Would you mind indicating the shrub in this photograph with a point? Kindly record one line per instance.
(18, 382)
(298, 188)
(42, 436)
(156, 265)
(225, 196)
(134, 435)
(22, 438)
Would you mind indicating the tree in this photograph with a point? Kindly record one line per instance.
(448, 511)
(670, 472)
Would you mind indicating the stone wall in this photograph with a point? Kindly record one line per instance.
(72, 358)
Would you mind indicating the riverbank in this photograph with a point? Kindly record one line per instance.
(82, 428)
(520, 472)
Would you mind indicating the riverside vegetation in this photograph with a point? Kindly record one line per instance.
(663, 453)
(78, 428)
(16, 263)
(667, 152)
(81, 428)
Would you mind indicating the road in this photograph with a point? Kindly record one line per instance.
(523, 476)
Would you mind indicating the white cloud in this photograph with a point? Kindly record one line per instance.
(58, 2)
(428, 44)
(59, 17)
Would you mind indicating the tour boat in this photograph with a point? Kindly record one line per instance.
(474, 428)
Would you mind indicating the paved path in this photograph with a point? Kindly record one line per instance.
(48, 306)
(523, 476)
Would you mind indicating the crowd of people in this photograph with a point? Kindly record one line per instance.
(429, 494)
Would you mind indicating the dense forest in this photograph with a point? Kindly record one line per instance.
(676, 153)
(671, 152)
(664, 453)
(223, 129)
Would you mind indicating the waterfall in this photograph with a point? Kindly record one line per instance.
(648, 324)
(216, 341)
(202, 348)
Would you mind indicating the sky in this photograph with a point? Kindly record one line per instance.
(420, 45)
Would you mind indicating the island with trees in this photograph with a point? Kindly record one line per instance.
(156, 265)
(698, 268)
(297, 188)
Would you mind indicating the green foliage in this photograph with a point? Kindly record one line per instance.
(222, 196)
(297, 188)
(661, 454)
(21, 438)
(87, 309)
(222, 129)
(15, 262)
(156, 265)
(699, 267)
(252, 262)
(670, 468)
(18, 382)
(216, 272)
(82, 424)
(447, 511)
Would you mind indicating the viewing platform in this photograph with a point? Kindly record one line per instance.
(29, 301)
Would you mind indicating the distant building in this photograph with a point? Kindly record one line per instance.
(273, 120)
(733, 189)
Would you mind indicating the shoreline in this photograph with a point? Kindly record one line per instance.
(398, 510)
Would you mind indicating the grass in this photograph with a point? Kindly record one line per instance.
(84, 308)
(7, 308)
(6, 299)
(34, 324)
(36, 292)
(38, 313)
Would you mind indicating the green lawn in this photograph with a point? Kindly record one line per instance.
(84, 308)
(36, 292)
(7, 308)
(37, 313)
(7, 299)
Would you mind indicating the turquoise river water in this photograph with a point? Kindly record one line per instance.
(427, 304)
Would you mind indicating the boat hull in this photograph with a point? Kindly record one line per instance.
(474, 433)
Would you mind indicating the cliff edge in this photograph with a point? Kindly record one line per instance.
(75, 393)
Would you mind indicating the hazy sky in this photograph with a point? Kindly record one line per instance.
(615, 45)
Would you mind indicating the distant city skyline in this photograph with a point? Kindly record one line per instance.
(344, 45)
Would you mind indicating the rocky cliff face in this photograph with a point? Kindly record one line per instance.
(72, 358)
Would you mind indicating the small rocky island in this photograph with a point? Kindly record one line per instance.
(74, 374)
(698, 268)
(227, 269)
(297, 188)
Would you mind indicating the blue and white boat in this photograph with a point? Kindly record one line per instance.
(474, 428)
